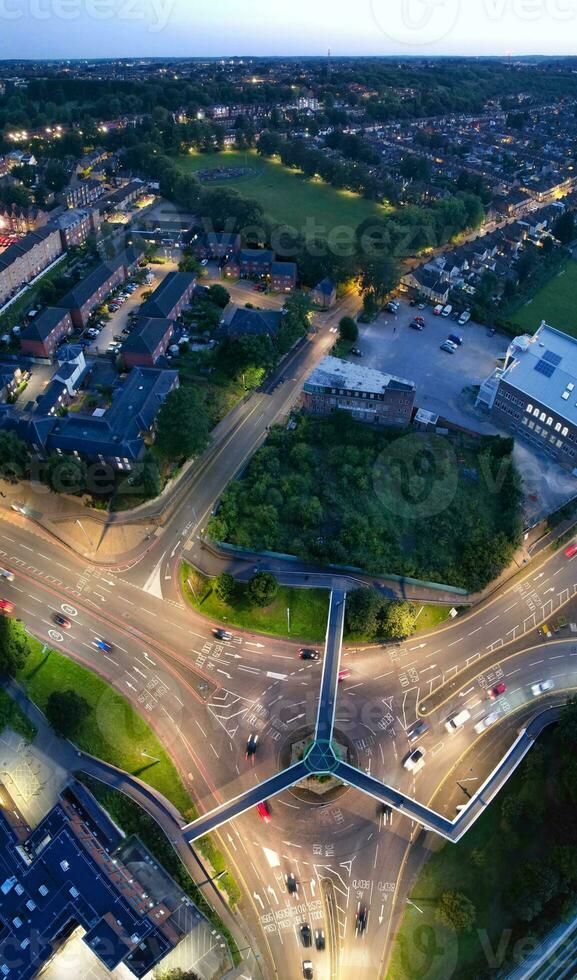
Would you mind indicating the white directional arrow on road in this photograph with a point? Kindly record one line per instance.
(272, 892)
(313, 886)
(382, 915)
(259, 899)
(260, 645)
(420, 647)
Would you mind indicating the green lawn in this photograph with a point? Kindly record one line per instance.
(12, 716)
(308, 609)
(555, 303)
(428, 617)
(482, 866)
(114, 732)
(285, 195)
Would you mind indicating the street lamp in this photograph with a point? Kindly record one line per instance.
(209, 880)
(147, 756)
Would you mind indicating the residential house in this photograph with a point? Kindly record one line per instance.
(428, 283)
(216, 245)
(76, 225)
(324, 294)
(18, 220)
(22, 262)
(11, 378)
(44, 334)
(126, 195)
(83, 298)
(283, 276)
(148, 341)
(253, 323)
(170, 297)
(80, 193)
(250, 263)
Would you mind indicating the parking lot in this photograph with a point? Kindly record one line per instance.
(389, 344)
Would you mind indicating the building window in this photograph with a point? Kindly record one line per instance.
(531, 425)
(549, 421)
(565, 431)
(559, 443)
(524, 420)
(542, 416)
(536, 412)
(558, 427)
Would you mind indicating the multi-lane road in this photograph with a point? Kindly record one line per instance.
(206, 697)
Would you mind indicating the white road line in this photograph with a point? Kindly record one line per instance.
(493, 620)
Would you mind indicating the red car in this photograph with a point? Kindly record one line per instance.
(343, 674)
(263, 810)
(420, 319)
(497, 691)
(571, 550)
(6, 607)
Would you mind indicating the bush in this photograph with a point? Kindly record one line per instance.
(348, 329)
(262, 589)
(398, 620)
(456, 911)
(225, 587)
(362, 611)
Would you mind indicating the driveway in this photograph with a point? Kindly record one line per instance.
(390, 345)
(118, 320)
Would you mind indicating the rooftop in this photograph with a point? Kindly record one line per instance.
(544, 367)
(335, 373)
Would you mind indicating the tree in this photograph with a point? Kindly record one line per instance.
(362, 611)
(262, 589)
(456, 911)
(182, 425)
(13, 647)
(219, 295)
(225, 586)
(67, 711)
(14, 456)
(398, 620)
(65, 474)
(348, 329)
(564, 227)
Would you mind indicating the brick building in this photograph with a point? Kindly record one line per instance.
(26, 259)
(148, 341)
(44, 334)
(368, 395)
(170, 297)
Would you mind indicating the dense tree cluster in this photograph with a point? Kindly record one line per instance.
(336, 491)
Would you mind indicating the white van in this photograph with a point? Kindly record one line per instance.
(447, 310)
(457, 721)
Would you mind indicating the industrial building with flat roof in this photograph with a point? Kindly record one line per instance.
(535, 394)
(368, 395)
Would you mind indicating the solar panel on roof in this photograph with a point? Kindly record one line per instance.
(544, 368)
(552, 358)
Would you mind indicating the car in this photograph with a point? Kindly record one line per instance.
(291, 883)
(448, 347)
(102, 645)
(415, 761)
(415, 325)
(4, 573)
(222, 634)
(361, 919)
(62, 621)
(541, 688)
(6, 607)
(306, 935)
(438, 309)
(486, 722)
(414, 733)
(420, 319)
(421, 306)
(263, 810)
(464, 318)
(251, 746)
(571, 551)
(457, 720)
(455, 339)
(307, 653)
(204, 262)
(308, 971)
(497, 691)
(447, 310)
(344, 674)
(392, 307)
(356, 352)
(320, 939)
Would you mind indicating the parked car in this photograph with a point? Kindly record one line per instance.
(291, 883)
(464, 318)
(449, 347)
(455, 339)
(416, 325)
(4, 573)
(438, 309)
(447, 310)
(356, 352)
(6, 607)
(308, 971)
(571, 550)
(541, 688)
(392, 307)
(251, 747)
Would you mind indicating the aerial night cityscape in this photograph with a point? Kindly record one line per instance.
(288, 490)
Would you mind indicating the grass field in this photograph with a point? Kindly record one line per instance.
(12, 716)
(287, 196)
(113, 732)
(308, 609)
(555, 303)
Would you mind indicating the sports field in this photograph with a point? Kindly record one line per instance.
(286, 196)
(555, 303)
